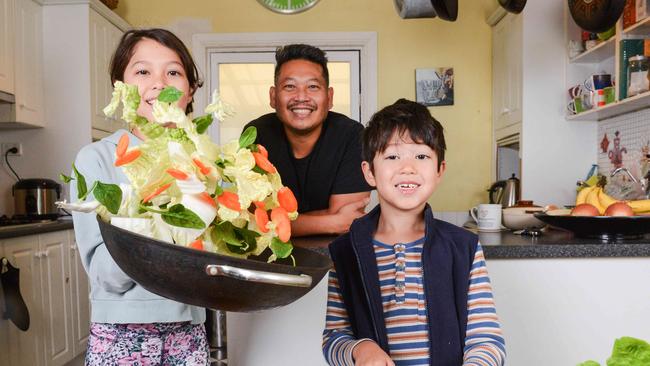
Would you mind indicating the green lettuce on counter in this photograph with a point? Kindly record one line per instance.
(627, 351)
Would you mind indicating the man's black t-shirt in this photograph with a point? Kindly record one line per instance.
(332, 167)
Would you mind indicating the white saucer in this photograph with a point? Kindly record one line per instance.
(490, 230)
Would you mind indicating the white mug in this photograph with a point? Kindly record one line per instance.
(487, 216)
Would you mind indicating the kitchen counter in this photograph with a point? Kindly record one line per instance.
(551, 291)
(551, 244)
(35, 228)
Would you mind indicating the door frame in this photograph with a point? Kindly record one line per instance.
(365, 42)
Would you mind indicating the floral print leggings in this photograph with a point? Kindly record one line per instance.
(164, 344)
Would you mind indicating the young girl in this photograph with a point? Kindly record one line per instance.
(130, 325)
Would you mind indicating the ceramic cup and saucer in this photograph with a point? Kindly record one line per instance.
(487, 217)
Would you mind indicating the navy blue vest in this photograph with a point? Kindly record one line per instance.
(447, 259)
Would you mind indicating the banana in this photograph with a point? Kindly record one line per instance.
(639, 206)
(605, 199)
(582, 194)
(592, 199)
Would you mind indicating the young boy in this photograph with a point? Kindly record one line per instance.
(408, 289)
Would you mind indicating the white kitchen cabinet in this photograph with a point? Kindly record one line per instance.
(507, 75)
(27, 348)
(104, 37)
(7, 46)
(28, 109)
(56, 296)
(80, 303)
(88, 32)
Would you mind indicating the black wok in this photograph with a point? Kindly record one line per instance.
(596, 15)
(513, 6)
(211, 280)
(446, 9)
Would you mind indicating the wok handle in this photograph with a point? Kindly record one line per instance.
(301, 280)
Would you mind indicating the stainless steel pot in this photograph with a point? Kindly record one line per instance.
(34, 198)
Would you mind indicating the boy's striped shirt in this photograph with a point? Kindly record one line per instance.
(402, 292)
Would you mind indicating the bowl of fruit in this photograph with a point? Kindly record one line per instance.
(599, 215)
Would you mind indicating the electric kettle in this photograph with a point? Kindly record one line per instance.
(506, 192)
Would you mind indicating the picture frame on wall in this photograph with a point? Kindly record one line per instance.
(434, 86)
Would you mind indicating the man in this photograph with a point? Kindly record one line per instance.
(317, 152)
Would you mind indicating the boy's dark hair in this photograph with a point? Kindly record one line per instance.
(403, 116)
(126, 48)
(306, 52)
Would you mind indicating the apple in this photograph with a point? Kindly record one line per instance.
(619, 209)
(585, 209)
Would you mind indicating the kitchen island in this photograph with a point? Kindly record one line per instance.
(561, 300)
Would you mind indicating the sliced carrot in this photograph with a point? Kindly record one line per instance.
(262, 150)
(280, 217)
(205, 197)
(261, 219)
(230, 200)
(122, 145)
(197, 244)
(263, 163)
(128, 157)
(158, 191)
(287, 200)
(283, 229)
(205, 170)
(178, 174)
(259, 204)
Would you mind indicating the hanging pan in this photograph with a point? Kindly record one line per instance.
(446, 9)
(596, 16)
(211, 280)
(513, 6)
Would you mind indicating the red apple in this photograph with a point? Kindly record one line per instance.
(585, 209)
(619, 209)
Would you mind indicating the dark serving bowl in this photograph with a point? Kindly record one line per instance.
(604, 227)
(212, 280)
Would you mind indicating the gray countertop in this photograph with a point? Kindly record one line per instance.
(551, 244)
(35, 228)
(501, 245)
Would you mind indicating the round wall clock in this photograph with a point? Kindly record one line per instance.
(288, 6)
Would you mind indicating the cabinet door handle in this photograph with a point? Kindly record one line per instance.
(46, 253)
(73, 248)
(505, 111)
(37, 254)
(25, 106)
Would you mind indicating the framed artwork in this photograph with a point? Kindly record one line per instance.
(434, 86)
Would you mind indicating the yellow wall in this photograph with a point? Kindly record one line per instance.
(403, 46)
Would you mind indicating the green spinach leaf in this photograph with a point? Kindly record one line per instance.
(178, 215)
(109, 195)
(202, 123)
(170, 95)
(248, 137)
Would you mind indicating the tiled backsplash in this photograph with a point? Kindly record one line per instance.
(624, 141)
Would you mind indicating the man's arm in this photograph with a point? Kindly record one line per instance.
(343, 209)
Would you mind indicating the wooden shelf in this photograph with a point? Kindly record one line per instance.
(641, 28)
(635, 103)
(602, 51)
